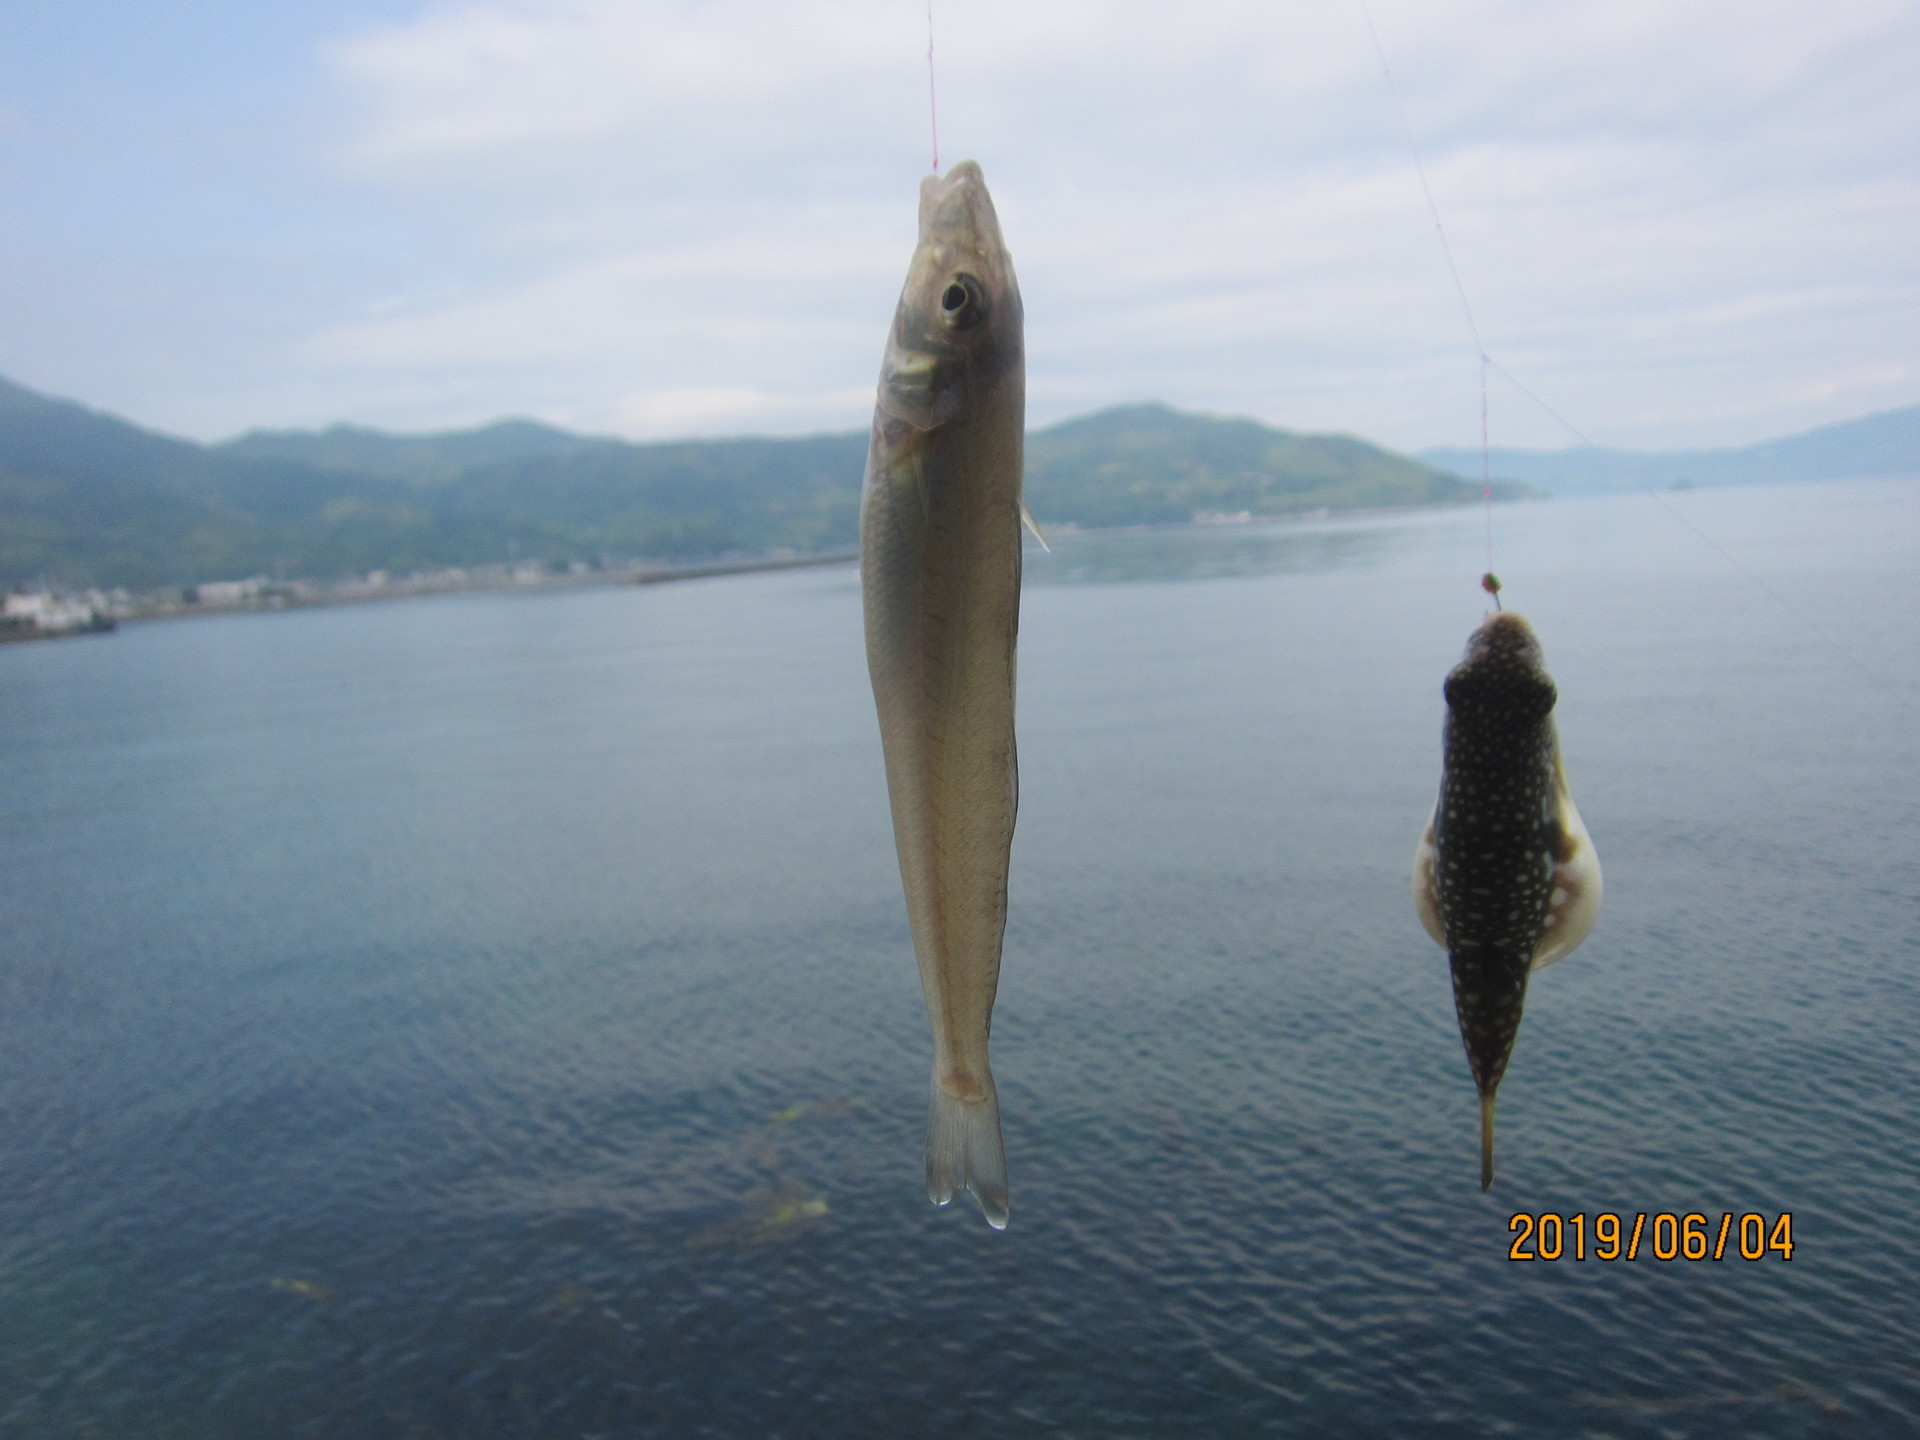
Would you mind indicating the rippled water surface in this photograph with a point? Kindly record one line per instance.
(494, 1015)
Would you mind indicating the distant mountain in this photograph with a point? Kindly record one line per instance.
(86, 498)
(416, 459)
(1884, 444)
(1150, 464)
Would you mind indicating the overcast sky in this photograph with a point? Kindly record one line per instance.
(1679, 223)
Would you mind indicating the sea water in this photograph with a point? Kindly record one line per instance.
(495, 1016)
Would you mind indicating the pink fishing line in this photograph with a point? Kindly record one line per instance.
(933, 104)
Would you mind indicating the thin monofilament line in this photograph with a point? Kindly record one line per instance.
(1572, 429)
(1486, 471)
(1714, 545)
(1486, 449)
(1459, 288)
(1413, 149)
(1878, 680)
(933, 104)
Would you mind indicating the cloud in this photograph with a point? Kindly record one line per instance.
(761, 286)
(1216, 206)
(505, 81)
(740, 409)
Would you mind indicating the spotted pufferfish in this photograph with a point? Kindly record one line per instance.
(1505, 876)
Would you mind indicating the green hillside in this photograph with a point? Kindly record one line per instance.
(421, 460)
(89, 499)
(1151, 464)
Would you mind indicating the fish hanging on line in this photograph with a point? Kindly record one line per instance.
(1505, 876)
(940, 519)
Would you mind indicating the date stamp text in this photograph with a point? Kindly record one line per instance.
(1611, 1235)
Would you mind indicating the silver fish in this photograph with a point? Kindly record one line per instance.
(940, 522)
(1505, 876)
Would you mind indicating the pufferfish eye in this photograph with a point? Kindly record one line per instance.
(963, 304)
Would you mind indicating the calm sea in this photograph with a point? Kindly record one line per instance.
(494, 1015)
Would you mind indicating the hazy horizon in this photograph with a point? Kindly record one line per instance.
(721, 436)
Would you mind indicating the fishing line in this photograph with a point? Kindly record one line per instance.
(1420, 169)
(1489, 581)
(933, 105)
(1814, 626)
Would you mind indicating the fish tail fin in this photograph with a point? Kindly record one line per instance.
(964, 1151)
(1486, 1140)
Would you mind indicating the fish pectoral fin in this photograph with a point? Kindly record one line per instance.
(964, 1151)
(1574, 902)
(1426, 898)
(1026, 519)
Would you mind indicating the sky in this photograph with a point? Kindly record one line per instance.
(1677, 222)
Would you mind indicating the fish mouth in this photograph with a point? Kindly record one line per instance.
(957, 213)
(1506, 635)
(1504, 667)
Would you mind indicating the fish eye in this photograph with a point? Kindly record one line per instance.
(963, 304)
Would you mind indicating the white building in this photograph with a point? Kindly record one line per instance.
(50, 613)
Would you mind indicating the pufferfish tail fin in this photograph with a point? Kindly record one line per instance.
(1486, 1139)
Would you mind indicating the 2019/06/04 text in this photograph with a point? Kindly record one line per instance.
(1611, 1235)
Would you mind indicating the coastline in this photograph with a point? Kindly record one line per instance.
(307, 595)
(254, 596)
